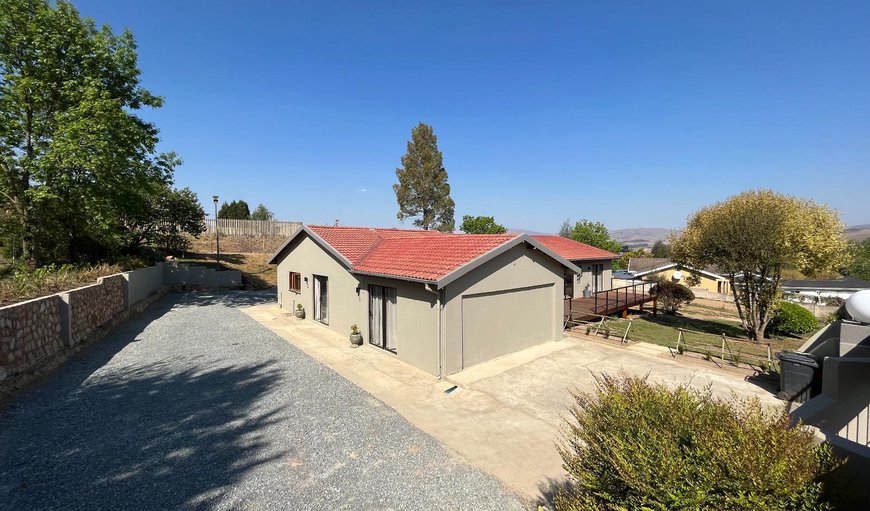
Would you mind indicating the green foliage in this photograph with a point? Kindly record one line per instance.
(859, 260)
(671, 295)
(595, 234)
(422, 191)
(75, 154)
(661, 249)
(161, 218)
(752, 237)
(481, 225)
(235, 210)
(25, 283)
(262, 213)
(636, 445)
(792, 319)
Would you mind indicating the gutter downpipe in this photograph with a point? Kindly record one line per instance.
(439, 307)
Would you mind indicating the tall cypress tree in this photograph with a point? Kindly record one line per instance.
(422, 191)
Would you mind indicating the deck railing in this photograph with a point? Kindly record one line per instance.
(630, 295)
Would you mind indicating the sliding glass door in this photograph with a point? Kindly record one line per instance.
(382, 317)
(321, 299)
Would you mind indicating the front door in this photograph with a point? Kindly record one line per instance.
(321, 299)
(382, 317)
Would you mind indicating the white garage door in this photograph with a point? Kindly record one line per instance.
(495, 324)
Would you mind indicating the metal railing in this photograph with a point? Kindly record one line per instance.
(631, 295)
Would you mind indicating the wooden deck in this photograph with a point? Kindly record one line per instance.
(608, 303)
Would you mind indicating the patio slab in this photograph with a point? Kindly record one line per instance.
(505, 414)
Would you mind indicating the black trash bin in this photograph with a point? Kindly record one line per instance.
(800, 376)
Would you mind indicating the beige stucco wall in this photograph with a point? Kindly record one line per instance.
(585, 279)
(518, 268)
(706, 282)
(416, 313)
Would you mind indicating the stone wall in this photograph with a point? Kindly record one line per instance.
(53, 325)
(93, 306)
(29, 332)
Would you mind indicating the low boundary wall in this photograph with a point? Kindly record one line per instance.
(35, 330)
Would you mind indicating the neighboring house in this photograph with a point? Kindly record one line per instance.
(440, 302)
(595, 265)
(651, 268)
(832, 288)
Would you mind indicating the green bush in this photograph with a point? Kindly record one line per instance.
(635, 445)
(671, 295)
(791, 319)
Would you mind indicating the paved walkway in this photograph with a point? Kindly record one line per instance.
(505, 415)
(193, 405)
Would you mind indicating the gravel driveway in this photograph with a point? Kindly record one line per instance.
(194, 405)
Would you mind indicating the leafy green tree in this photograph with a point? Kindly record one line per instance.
(595, 234)
(422, 191)
(859, 260)
(262, 213)
(481, 225)
(73, 152)
(661, 249)
(162, 219)
(235, 210)
(752, 237)
(636, 445)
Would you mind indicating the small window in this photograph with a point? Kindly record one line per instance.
(295, 282)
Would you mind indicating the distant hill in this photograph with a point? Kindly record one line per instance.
(858, 232)
(637, 237)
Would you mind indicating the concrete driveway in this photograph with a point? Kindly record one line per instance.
(193, 405)
(504, 416)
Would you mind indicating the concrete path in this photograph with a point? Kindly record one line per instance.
(505, 415)
(193, 405)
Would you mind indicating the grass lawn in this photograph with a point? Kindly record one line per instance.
(703, 335)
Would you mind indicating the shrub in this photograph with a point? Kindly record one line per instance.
(671, 295)
(636, 445)
(791, 319)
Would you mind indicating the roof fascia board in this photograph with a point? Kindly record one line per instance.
(394, 277)
(317, 239)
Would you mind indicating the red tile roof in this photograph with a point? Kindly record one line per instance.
(429, 257)
(355, 242)
(573, 250)
(409, 253)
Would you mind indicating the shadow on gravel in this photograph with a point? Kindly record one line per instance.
(149, 438)
(228, 298)
(145, 437)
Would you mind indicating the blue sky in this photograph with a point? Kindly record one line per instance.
(633, 113)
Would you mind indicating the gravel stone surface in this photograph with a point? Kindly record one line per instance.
(193, 405)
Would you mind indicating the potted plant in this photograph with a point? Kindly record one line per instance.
(300, 312)
(355, 336)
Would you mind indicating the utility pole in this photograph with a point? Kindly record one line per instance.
(217, 233)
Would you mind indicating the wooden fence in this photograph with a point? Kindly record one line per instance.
(252, 228)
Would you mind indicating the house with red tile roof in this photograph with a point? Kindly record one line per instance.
(440, 302)
(596, 265)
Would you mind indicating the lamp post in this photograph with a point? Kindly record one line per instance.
(217, 232)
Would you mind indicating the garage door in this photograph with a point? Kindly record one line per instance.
(495, 324)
